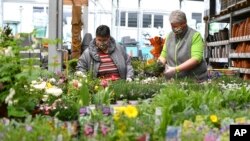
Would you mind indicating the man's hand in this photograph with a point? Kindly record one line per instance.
(169, 71)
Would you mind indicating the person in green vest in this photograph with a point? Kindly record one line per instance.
(182, 53)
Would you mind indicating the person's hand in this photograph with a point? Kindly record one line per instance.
(80, 74)
(129, 79)
(169, 71)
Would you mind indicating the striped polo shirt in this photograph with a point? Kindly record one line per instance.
(107, 70)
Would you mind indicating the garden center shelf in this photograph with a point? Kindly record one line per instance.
(239, 39)
(219, 60)
(241, 70)
(218, 43)
(229, 45)
(239, 14)
(231, 40)
(239, 55)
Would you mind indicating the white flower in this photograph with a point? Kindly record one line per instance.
(45, 97)
(52, 80)
(40, 86)
(80, 74)
(8, 99)
(54, 91)
(33, 82)
(8, 52)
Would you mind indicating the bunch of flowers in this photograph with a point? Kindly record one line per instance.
(157, 43)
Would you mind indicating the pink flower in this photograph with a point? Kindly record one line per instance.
(104, 130)
(113, 78)
(104, 83)
(75, 83)
(88, 130)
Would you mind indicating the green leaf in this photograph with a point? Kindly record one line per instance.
(84, 95)
(17, 112)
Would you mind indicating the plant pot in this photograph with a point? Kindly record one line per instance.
(3, 110)
(142, 138)
(133, 102)
(120, 102)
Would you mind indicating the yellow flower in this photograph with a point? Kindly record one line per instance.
(187, 124)
(122, 126)
(214, 118)
(131, 111)
(96, 87)
(240, 120)
(48, 85)
(199, 118)
(120, 133)
(116, 116)
(118, 111)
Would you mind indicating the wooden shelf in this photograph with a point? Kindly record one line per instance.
(239, 55)
(241, 70)
(240, 14)
(218, 43)
(219, 60)
(239, 39)
(224, 18)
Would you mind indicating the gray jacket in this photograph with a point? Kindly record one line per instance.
(179, 52)
(90, 59)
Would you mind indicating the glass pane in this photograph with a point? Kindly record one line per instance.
(123, 19)
(158, 21)
(132, 19)
(197, 17)
(40, 32)
(147, 20)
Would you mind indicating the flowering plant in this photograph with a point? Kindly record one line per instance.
(38, 128)
(157, 43)
(128, 123)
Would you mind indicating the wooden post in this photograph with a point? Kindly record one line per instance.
(77, 27)
(76, 31)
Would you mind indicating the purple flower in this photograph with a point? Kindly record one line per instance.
(28, 128)
(6, 121)
(210, 137)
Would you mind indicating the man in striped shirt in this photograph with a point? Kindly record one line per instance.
(105, 59)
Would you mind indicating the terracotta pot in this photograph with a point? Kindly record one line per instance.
(242, 27)
(243, 47)
(3, 110)
(246, 77)
(239, 64)
(247, 50)
(142, 138)
(248, 26)
(237, 49)
(234, 29)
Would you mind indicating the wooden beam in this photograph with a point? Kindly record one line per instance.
(76, 2)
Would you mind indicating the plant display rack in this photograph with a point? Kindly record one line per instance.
(230, 49)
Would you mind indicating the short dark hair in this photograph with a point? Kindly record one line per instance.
(103, 31)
